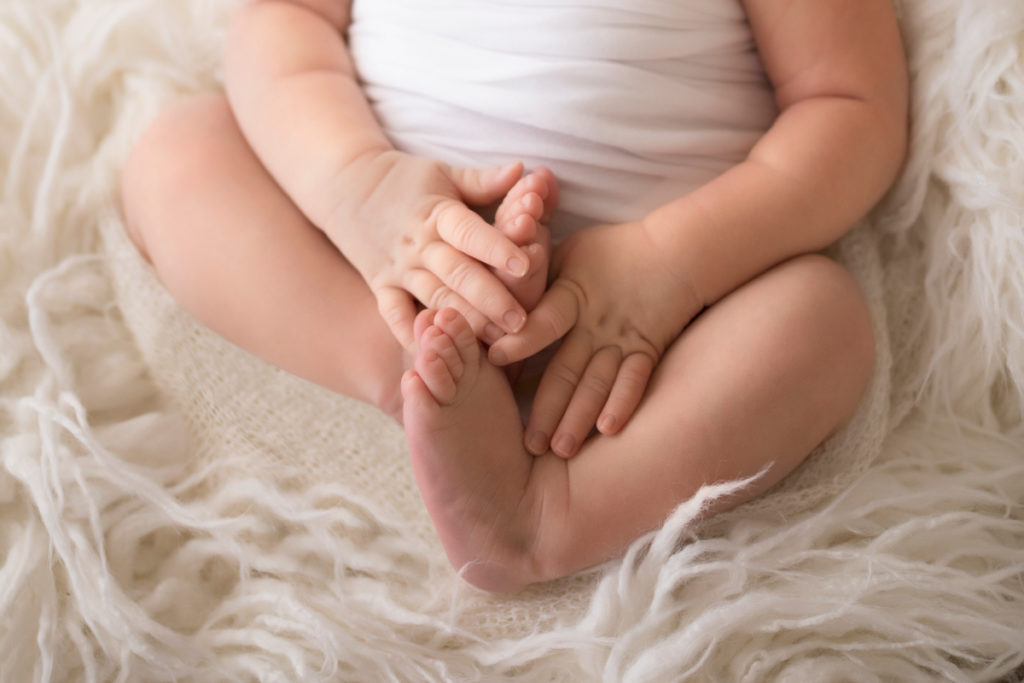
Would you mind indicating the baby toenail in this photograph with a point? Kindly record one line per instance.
(607, 424)
(497, 356)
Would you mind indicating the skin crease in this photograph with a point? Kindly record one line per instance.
(704, 340)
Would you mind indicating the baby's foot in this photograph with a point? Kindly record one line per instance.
(465, 440)
(521, 216)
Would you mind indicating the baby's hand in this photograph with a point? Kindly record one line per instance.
(404, 224)
(622, 304)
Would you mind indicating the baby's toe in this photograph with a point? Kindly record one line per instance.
(441, 344)
(423, 322)
(509, 207)
(461, 334)
(546, 186)
(532, 205)
(415, 393)
(519, 221)
(434, 372)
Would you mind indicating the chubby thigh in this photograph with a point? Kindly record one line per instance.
(757, 381)
(242, 258)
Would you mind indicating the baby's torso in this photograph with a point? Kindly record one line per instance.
(630, 102)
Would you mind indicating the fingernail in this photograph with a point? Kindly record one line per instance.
(606, 424)
(564, 446)
(514, 321)
(516, 266)
(497, 356)
(537, 443)
(492, 333)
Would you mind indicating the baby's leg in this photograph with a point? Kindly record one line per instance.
(465, 440)
(235, 252)
(760, 378)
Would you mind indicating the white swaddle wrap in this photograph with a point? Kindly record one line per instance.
(631, 103)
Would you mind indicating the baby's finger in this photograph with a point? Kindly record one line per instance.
(557, 385)
(398, 310)
(480, 186)
(589, 398)
(433, 293)
(630, 384)
(554, 316)
(476, 284)
(466, 231)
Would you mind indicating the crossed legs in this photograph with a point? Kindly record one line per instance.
(761, 377)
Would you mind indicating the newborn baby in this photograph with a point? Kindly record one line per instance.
(658, 261)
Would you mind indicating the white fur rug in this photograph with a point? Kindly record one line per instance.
(128, 552)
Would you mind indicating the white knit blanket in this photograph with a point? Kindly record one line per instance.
(174, 510)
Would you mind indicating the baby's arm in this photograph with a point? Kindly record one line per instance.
(840, 80)
(402, 222)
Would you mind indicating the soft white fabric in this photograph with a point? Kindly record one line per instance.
(631, 104)
(172, 509)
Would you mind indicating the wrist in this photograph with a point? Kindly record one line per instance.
(678, 251)
(345, 224)
(736, 227)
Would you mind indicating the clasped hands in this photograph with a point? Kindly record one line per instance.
(615, 299)
(405, 224)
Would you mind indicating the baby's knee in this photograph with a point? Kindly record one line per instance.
(834, 318)
(173, 155)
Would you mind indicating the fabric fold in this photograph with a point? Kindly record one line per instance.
(630, 107)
